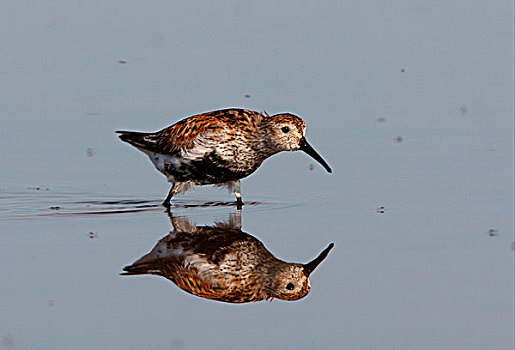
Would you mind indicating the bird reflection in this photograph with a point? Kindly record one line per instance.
(223, 263)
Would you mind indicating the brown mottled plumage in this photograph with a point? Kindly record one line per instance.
(223, 263)
(220, 147)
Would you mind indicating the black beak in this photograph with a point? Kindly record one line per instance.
(306, 147)
(310, 266)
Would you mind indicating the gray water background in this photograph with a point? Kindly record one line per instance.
(426, 274)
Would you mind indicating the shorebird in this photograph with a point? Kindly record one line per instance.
(220, 147)
(223, 263)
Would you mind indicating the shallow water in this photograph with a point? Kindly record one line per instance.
(410, 104)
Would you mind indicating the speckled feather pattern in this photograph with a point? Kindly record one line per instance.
(223, 264)
(219, 147)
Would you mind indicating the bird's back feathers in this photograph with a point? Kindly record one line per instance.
(183, 135)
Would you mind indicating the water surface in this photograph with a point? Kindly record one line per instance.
(410, 103)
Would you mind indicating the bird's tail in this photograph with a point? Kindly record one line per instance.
(141, 269)
(137, 139)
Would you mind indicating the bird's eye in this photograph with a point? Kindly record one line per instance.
(285, 129)
(290, 286)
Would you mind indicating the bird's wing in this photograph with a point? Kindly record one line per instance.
(193, 132)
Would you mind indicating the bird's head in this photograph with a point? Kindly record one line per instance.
(286, 132)
(291, 281)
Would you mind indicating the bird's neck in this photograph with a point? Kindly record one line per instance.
(266, 143)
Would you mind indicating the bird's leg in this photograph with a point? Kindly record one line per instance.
(235, 220)
(181, 223)
(239, 202)
(234, 188)
(171, 193)
(233, 223)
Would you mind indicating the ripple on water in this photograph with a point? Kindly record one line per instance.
(33, 205)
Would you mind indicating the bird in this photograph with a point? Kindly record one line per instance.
(220, 147)
(221, 262)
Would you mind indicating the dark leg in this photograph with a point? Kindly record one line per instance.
(239, 203)
(166, 202)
